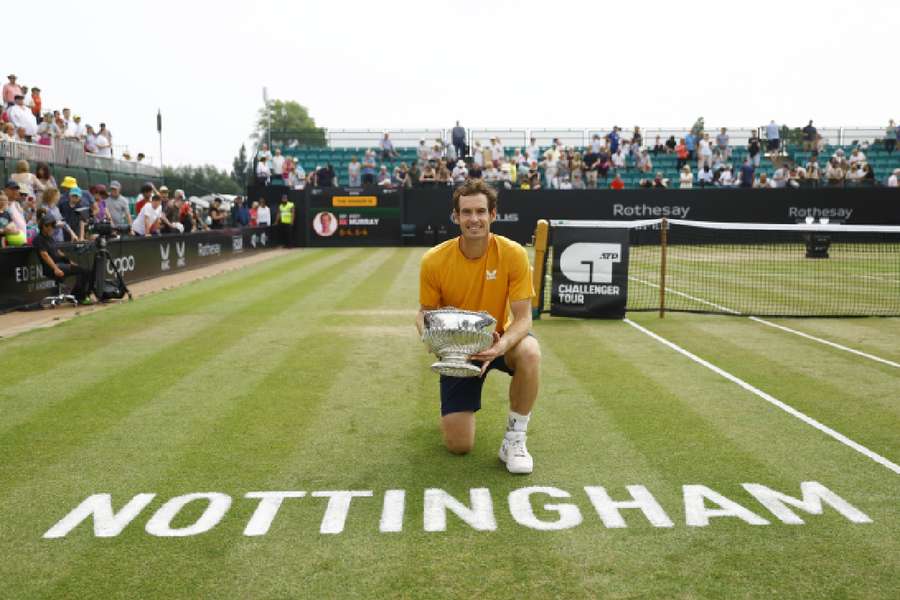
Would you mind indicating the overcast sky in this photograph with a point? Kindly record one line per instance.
(496, 63)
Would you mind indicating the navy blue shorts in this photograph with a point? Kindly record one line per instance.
(460, 394)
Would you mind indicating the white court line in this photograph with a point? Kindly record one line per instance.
(827, 343)
(835, 345)
(771, 400)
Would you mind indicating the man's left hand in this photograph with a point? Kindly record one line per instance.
(498, 348)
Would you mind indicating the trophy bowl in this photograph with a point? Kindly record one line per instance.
(454, 335)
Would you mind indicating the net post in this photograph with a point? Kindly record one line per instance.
(663, 246)
(541, 236)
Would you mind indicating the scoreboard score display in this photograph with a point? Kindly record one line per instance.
(353, 217)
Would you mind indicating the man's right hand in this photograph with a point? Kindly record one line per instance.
(57, 272)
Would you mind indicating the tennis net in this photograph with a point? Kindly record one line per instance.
(804, 270)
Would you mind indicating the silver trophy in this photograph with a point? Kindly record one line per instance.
(454, 335)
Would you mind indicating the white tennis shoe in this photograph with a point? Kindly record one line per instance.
(514, 453)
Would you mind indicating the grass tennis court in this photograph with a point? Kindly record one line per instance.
(304, 374)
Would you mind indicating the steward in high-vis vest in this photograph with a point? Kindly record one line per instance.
(285, 222)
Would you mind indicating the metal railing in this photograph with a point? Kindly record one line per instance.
(70, 153)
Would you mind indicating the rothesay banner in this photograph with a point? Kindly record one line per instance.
(590, 271)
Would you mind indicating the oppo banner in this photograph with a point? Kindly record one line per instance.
(22, 281)
(590, 272)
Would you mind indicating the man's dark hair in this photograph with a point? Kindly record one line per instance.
(473, 187)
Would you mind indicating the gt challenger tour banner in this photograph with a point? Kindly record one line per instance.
(590, 272)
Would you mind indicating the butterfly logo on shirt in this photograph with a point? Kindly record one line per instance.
(490, 275)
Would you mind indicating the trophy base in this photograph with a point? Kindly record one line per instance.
(456, 369)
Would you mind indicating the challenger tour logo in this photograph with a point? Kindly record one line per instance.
(590, 267)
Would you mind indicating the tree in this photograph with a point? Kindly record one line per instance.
(200, 180)
(290, 124)
(239, 167)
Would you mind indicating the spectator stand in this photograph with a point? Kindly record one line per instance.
(342, 144)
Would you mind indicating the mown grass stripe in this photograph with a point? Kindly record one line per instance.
(892, 466)
(113, 366)
(373, 288)
(831, 344)
(874, 335)
(853, 396)
(55, 431)
(85, 370)
(27, 354)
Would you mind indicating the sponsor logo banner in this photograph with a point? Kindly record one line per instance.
(590, 272)
(209, 249)
(816, 212)
(122, 264)
(641, 211)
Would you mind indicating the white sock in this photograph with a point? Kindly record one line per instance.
(517, 422)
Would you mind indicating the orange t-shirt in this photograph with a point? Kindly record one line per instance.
(489, 283)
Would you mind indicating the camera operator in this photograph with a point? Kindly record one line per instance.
(57, 265)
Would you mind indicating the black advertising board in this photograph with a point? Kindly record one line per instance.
(22, 281)
(518, 210)
(369, 216)
(590, 272)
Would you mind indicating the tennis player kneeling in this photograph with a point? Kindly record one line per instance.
(482, 271)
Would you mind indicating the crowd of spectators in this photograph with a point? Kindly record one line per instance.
(28, 197)
(24, 118)
(703, 159)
